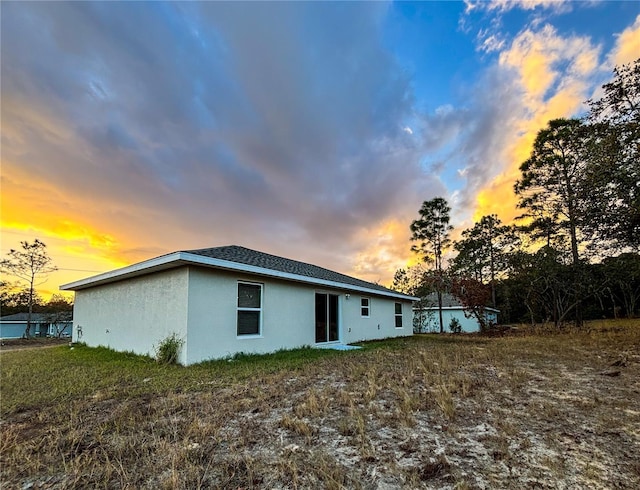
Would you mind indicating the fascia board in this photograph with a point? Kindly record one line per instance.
(184, 258)
(435, 308)
(145, 267)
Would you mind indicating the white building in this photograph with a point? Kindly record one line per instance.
(42, 325)
(426, 316)
(225, 300)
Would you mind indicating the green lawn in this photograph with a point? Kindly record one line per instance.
(39, 377)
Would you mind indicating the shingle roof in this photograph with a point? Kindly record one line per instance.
(22, 317)
(236, 258)
(448, 300)
(242, 255)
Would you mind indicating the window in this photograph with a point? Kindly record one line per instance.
(364, 307)
(249, 308)
(398, 315)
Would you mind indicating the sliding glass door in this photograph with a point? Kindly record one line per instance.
(326, 317)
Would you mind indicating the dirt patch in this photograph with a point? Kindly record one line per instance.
(34, 343)
(503, 413)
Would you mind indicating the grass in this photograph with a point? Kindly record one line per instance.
(422, 412)
(33, 378)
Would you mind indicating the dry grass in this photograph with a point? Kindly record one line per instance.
(426, 412)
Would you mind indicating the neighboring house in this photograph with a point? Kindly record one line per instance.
(426, 316)
(225, 300)
(42, 325)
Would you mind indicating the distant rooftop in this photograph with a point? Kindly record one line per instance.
(22, 317)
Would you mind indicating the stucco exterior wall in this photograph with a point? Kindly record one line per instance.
(134, 314)
(381, 321)
(200, 306)
(288, 316)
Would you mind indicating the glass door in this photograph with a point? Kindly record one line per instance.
(327, 321)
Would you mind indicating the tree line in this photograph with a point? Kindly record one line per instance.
(573, 252)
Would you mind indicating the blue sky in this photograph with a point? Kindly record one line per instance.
(309, 130)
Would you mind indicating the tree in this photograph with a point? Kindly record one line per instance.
(551, 183)
(613, 171)
(621, 100)
(32, 265)
(411, 280)
(483, 251)
(18, 301)
(431, 232)
(59, 313)
(623, 273)
(474, 296)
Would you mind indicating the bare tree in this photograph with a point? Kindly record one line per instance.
(32, 265)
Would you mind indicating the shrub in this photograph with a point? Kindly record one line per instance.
(169, 348)
(454, 326)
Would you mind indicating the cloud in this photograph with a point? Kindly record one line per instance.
(552, 75)
(171, 126)
(627, 47)
(506, 5)
(134, 129)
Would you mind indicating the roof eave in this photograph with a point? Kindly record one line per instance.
(163, 262)
(435, 308)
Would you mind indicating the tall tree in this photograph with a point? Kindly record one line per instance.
(411, 280)
(32, 265)
(431, 232)
(483, 251)
(551, 183)
(613, 173)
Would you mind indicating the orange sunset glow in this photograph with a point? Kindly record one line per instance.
(157, 133)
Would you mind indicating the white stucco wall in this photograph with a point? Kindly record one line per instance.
(200, 305)
(381, 321)
(286, 319)
(134, 314)
(288, 316)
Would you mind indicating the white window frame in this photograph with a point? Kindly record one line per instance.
(368, 306)
(398, 315)
(242, 308)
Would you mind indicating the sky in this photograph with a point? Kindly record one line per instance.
(309, 130)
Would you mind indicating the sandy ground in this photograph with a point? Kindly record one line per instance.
(557, 413)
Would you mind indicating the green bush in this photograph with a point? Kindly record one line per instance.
(168, 350)
(454, 326)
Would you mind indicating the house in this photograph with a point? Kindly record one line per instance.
(42, 325)
(225, 300)
(426, 317)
